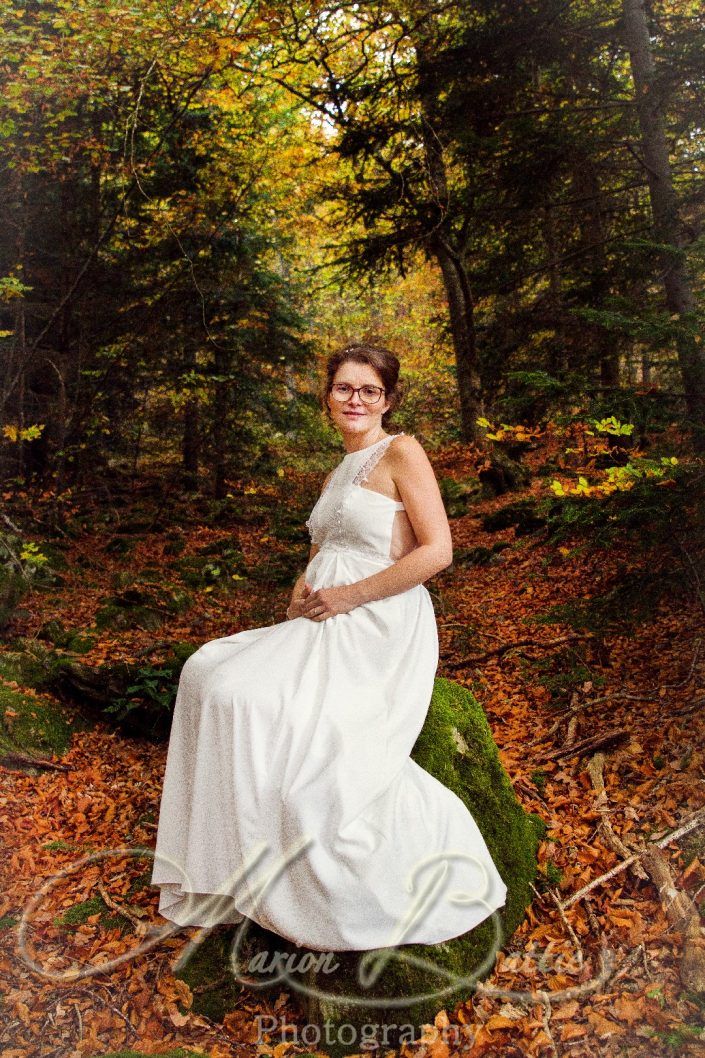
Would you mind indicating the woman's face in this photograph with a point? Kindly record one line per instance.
(354, 414)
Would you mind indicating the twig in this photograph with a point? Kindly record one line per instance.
(137, 922)
(589, 743)
(696, 821)
(504, 647)
(595, 770)
(569, 928)
(14, 757)
(546, 1012)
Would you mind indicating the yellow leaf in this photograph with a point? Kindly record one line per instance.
(499, 1021)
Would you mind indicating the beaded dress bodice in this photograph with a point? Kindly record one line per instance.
(350, 517)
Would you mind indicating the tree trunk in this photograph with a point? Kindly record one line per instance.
(462, 325)
(664, 205)
(461, 308)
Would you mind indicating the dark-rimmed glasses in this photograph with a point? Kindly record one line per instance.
(343, 391)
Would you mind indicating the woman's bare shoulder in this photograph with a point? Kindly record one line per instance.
(408, 450)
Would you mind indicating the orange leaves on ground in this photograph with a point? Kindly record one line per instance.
(115, 786)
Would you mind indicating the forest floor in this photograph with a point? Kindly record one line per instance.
(544, 688)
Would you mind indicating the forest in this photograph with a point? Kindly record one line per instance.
(200, 202)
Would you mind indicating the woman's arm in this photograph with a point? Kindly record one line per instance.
(299, 592)
(416, 481)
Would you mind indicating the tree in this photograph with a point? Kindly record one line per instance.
(668, 226)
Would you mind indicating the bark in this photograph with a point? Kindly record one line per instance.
(679, 296)
(443, 246)
(462, 325)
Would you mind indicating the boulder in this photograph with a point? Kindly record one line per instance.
(457, 748)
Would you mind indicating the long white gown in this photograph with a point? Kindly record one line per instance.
(289, 795)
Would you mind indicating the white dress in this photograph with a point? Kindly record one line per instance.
(289, 795)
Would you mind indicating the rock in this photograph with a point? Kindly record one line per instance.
(32, 725)
(478, 556)
(13, 587)
(136, 698)
(457, 748)
(457, 495)
(523, 515)
(138, 607)
(503, 474)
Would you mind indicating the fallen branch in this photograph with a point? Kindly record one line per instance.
(584, 745)
(14, 757)
(596, 772)
(138, 923)
(498, 651)
(650, 862)
(626, 696)
(682, 914)
(693, 823)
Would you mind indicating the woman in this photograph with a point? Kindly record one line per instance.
(289, 795)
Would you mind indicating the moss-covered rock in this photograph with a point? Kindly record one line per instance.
(217, 564)
(478, 556)
(502, 474)
(457, 748)
(207, 973)
(71, 639)
(139, 607)
(25, 661)
(457, 495)
(32, 725)
(524, 515)
(137, 698)
(13, 586)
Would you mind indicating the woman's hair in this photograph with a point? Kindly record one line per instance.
(382, 360)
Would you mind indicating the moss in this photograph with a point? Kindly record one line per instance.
(66, 638)
(32, 725)
(81, 912)
(138, 607)
(7, 922)
(60, 845)
(457, 748)
(208, 971)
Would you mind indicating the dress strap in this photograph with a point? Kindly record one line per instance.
(373, 459)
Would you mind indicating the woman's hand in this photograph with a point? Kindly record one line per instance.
(327, 602)
(294, 608)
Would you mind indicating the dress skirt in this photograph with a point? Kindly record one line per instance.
(290, 797)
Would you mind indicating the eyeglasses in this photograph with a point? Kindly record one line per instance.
(368, 394)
